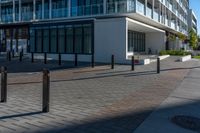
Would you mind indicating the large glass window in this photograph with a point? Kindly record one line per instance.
(69, 39)
(136, 41)
(78, 39)
(38, 9)
(53, 38)
(27, 11)
(140, 6)
(59, 8)
(39, 40)
(6, 13)
(32, 40)
(46, 9)
(87, 47)
(46, 40)
(61, 40)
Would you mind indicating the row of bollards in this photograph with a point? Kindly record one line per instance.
(46, 88)
(133, 63)
(60, 59)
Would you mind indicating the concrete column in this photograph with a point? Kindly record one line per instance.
(34, 9)
(104, 6)
(42, 9)
(145, 7)
(20, 11)
(69, 8)
(50, 9)
(13, 10)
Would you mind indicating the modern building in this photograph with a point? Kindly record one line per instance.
(192, 21)
(97, 28)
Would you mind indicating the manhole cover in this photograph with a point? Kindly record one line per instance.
(187, 122)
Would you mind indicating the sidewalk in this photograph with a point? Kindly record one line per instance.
(185, 100)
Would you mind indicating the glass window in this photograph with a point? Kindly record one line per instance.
(61, 40)
(38, 9)
(46, 40)
(53, 38)
(46, 9)
(78, 39)
(39, 40)
(74, 4)
(59, 8)
(32, 40)
(69, 41)
(87, 48)
(136, 41)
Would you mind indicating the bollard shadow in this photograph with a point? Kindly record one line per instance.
(20, 115)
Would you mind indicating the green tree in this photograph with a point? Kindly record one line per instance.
(193, 39)
(182, 37)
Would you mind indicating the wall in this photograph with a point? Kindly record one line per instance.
(155, 41)
(110, 38)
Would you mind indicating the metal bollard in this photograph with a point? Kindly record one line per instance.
(133, 63)
(9, 56)
(76, 60)
(92, 61)
(59, 59)
(3, 84)
(32, 57)
(112, 61)
(45, 58)
(46, 86)
(158, 65)
(20, 56)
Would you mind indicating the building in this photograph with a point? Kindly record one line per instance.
(91, 28)
(192, 21)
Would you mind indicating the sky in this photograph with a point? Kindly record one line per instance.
(195, 5)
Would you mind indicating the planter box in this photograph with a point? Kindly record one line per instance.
(185, 58)
(142, 61)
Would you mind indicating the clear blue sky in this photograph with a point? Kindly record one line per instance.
(195, 5)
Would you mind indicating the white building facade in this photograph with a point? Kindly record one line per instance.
(192, 21)
(91, 28)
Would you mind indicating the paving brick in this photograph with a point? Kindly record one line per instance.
(86, 100)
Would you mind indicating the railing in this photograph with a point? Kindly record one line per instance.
(120, 6)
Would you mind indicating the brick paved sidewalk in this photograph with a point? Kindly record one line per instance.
(86, 100)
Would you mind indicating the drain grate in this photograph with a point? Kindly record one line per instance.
(187, 122)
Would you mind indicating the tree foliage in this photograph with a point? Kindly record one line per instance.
(182, 37)
(193, 39)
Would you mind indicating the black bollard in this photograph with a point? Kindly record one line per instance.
(20, 56)
(76, 60)
(158, 65)
(92, 61)
(46, 86)
(133, 63)
(112, 61)
(32, 57)
(3, 84)
(9, 56)
(45, 58)
(59, 59)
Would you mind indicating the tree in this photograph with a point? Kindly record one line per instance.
(182, 37)
(193, 39)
